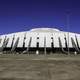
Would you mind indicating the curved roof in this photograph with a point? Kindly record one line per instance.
(44, 30)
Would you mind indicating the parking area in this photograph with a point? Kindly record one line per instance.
(39, 67)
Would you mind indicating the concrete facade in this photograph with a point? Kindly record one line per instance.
(40, 39)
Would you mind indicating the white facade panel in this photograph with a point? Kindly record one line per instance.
(10, 36)
(41, 39)
(2, 40)
(78, 38)
(72, 35)
(56, 41)
(28, 35)
(62, 38)
(21, 39)
(34, 39)
(48, 39)
(15, 38)
(68, 38)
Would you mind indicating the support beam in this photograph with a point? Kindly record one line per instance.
(15, 45)
(66, 44)
(60, 44)
(74, 45)
(26, 51)
(12, 41)
(29, 44)
(45, 45)
(4, 44)
(77, 41)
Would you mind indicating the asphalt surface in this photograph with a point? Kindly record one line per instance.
(39, 67)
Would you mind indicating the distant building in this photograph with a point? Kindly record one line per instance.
(40, 41)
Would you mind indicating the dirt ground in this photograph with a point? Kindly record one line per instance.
(33, 67)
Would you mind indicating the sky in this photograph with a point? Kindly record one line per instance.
(23, 15)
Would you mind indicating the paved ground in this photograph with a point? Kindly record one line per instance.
(33, 67)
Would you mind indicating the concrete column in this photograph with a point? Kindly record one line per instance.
(45, 45)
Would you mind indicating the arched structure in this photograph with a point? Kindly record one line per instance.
(42, 40)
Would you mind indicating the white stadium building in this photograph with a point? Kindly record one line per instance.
(40, 41)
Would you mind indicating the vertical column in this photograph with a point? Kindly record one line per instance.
(56, 41)
(34, 40)
(15, 44)
(45, 45)
(21, 39)
(10, 36)
(78, 39)
(29, 44)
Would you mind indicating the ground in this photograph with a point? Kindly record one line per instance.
(39, 67)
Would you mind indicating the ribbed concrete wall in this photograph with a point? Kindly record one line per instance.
(44, 37)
